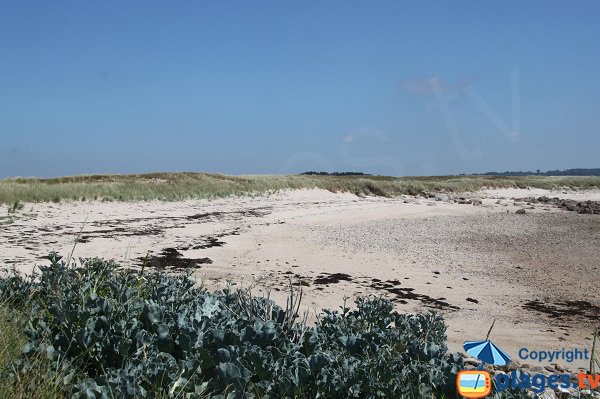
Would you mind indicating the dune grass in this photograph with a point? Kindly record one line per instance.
(38, 382)
(179, 186)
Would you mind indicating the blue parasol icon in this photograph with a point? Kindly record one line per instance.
(486, 351)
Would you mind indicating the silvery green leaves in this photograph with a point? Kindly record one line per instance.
(15, 290)
(373, 351)
(117, 333)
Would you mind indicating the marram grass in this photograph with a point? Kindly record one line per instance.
(180, 186)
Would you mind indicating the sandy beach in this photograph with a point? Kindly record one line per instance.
(534, 273)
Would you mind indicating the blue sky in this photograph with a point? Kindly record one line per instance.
(400, 88)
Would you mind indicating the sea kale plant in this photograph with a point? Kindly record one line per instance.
(115, 333)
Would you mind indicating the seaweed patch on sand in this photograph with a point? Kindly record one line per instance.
(565, 310)
(329, 278)
(170, 258)
(403, 295)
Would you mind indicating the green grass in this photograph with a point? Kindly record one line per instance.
(179, 186)
(39, 382)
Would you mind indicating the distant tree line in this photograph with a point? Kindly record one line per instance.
(313, 173)
(566, 172)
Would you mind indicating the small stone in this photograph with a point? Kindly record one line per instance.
(513, 365)
(536, 369)
(471, 361)
(550, 369)
(520, 211)
(559, 368)
(548, 394)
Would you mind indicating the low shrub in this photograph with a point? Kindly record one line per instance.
(115, 333)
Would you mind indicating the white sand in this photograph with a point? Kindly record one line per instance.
(437, 251)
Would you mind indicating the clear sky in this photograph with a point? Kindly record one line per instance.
(385, 87)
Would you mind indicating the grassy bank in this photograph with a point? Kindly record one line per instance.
(35, 382)
(178, 186)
